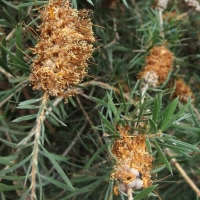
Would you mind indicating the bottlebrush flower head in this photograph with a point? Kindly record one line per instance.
(65, 45)
(158, 65)
(134, 163)
(183, 91)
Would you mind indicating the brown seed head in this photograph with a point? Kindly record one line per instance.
(158, 66)
(182, 91)
(134, 163)
(63, 50)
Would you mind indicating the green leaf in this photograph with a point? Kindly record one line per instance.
(125, 3)
(162, 156)
(95, 155)
(28, 102)
(24, 118)
(167, 114)
(153, 127)
(158, 169)
(10, 144)
(13, 145)
(87, 188)
(10, 17)
(57, 167)
(23, 5)
(25, 194)
(186, 127)
(57, 157)
(56, 119)
(10, 4)
(5, 187)
(5, 67)
(148, 144)
(156, 109)
(28, 107)
(176, 148)
(112, 105)
(52, 120)
(76, 193)
(53, 107)
(109, 192)
(181, 111)
(107, 123)
(122, 96)
(176, 116)
(57, 183)
(40, 110)
(84, 179)
(17, 79)
(184, 145)
(100, 102)
(9, 170)
(20, 67)
(7, 159)
(3, 52)
(4, 23)
(145, 192)
(16, 59)
(90, 2)
(13, 178)
(74, 4)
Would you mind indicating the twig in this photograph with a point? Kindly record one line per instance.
(40, 120)
(160, 10)
(184, 174)
(87, 117)
(10, 34)
(84, 112)
(130, 194)
(108, 87)
(115, 29)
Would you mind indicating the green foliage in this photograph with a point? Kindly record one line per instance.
(69, 146)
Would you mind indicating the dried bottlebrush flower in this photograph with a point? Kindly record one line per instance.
(182, 90)
(158, 66)
(63, 50)
(193, 3)
(134, 163)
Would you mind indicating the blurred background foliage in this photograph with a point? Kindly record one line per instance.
(125, 31)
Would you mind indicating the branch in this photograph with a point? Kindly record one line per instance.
(40, 120)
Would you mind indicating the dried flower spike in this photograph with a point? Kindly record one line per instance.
(193, 3)
(134, 163)
(158, 66)
(63, 50)
(183, 91)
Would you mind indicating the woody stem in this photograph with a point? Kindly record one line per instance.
(130, 194)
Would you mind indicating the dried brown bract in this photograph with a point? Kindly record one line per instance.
(183, 91)
(64, 47)
(158, 66)
(134, 163)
